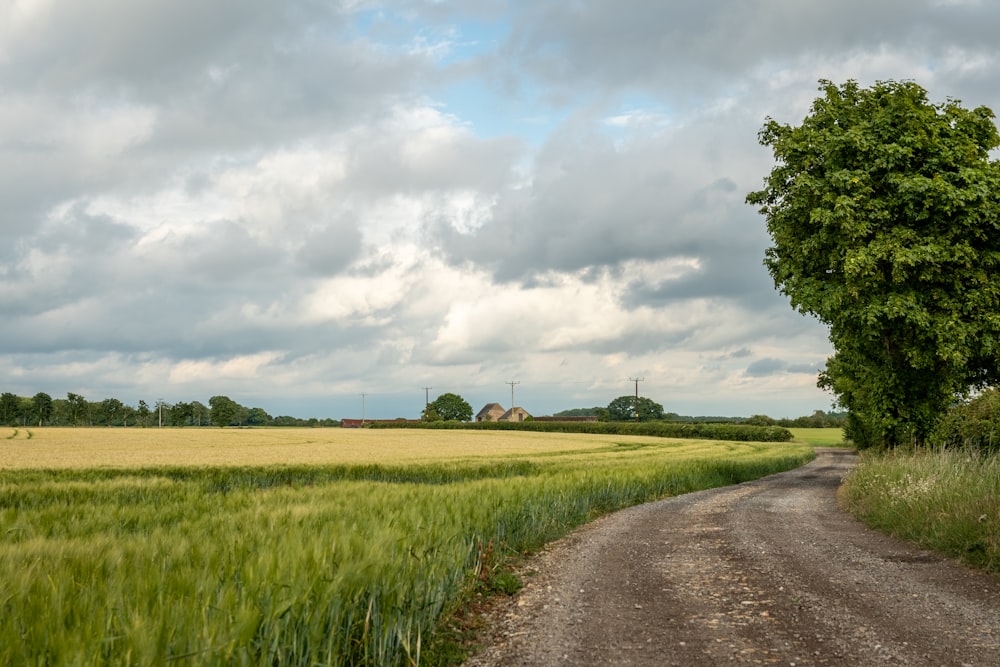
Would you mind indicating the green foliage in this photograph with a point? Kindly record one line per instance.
(883, 210)
(430, 414)
(624, 408)
(579, 412)
(942, 500)
(449, 407)
(10, 408)
(333, 565)
(223, 410)
(41, 408)
(974, 424)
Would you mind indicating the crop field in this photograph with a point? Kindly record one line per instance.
(821, 437)
(298, 546)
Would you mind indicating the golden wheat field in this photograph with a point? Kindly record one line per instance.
(51, 447)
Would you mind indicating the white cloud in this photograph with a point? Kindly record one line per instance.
(295, 202)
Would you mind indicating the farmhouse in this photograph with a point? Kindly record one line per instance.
(494, 412)
(491, 412)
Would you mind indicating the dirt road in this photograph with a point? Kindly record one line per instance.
(767, 572)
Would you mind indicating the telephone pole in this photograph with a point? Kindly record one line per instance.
(427, 399)
(637, 381)
(363, 408)
(512, 383)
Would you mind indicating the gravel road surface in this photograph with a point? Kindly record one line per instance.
(769, 572)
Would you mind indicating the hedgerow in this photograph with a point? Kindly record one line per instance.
(737, 432)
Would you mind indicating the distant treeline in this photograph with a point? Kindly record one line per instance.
(818, 419)
(75, 410)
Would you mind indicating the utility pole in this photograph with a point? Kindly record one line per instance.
(427, 398)
(512, 383)
(159, 404)
(637, 381)
(363, 408)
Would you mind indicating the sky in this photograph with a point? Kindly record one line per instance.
(325, 208)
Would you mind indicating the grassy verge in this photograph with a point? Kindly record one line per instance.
(334, 563)
(945, 501)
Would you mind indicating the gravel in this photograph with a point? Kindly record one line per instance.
(766, 572)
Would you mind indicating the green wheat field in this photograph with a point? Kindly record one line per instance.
(298, 546)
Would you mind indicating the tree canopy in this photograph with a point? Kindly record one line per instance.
(448, 407)
(623, 408)
(223, 410)
(883, 212)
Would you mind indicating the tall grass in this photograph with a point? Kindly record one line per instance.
(305, 564)
(943, 500)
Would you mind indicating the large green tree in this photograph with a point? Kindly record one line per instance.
(883, 211)
(41, 407)
(10, 408)
(223, 410)
(449, 407)
(623, 408)
(78, 410)
(113, 411)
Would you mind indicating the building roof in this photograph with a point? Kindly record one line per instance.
(489, 409)
(514, 414)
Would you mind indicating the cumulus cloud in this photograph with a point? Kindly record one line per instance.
(294, 203)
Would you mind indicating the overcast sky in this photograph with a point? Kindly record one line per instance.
(296, 203)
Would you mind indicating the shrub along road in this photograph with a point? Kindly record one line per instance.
(766, 572)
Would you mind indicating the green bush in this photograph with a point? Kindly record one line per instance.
(974, 424)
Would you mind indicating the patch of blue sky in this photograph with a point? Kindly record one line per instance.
(489, 112)
(473, 39)
(467, 52)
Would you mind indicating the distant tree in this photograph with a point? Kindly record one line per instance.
(26, 410)
(883, 211)
(112, 410)
(41, 407)
(452, 407)
(78, 410)
(200, 414)
(623, 408)
(578, 412)
(257, 417)
(10, 408)
(242, 414)
(223, 410)
(128, 414)
(760, 420)
(430, 414)
(180, 414)
(142, 414)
